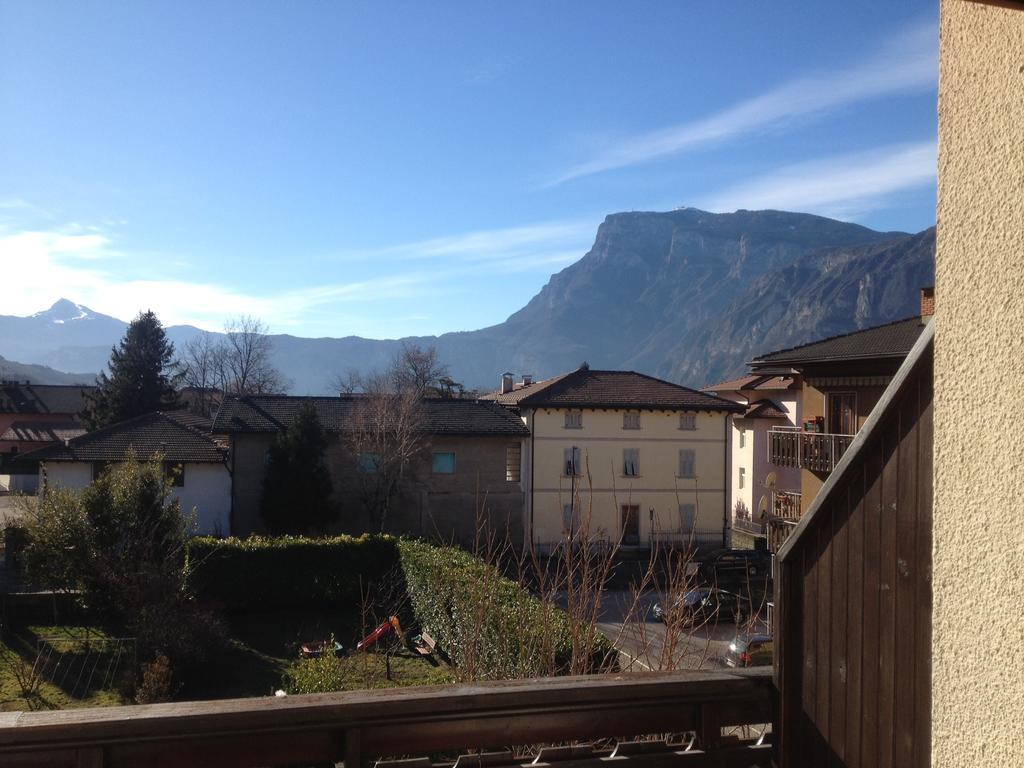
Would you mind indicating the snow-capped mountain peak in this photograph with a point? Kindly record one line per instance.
(63, 311)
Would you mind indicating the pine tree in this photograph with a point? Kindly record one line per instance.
(297, 485)
(140, 376)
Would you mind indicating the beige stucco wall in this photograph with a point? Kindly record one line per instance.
(978, 622)
(604, 488)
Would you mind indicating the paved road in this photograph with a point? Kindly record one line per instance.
(645, 644)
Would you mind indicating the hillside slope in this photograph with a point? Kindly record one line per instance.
(686, 295)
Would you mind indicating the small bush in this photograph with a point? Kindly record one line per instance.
(324, 674)
(261, 574)
(490, 626)
(156, 685)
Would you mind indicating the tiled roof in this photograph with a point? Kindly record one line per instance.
(753, 381)
(521, 391)
(892, 340)
(273, 413)
(42, 431)
(587, 388)
(42, 398)
(765, 409)
(144, 435)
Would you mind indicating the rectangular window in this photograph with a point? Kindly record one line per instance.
(687, 462)
(631, 421)
(574, 419)
(842, 413)
(743, 438)
(743, 477)
(368, 463)
(175, 472)
(443, 463)
(631, 462)
(571, 462)
(687, 517)
(513, 462)
(688, 421)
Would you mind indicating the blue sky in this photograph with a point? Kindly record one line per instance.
(388, 169)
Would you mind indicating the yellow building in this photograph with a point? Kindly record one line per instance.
(622, 456)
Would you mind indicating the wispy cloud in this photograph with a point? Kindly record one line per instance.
(906, 63)
(843, 186)
(47, 264)
(508, 248)
(85, 264)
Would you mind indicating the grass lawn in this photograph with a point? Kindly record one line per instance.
(85, 667)
(263, 655)
(80, 667)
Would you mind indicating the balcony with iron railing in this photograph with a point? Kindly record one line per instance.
(816, 451)
(675, 718)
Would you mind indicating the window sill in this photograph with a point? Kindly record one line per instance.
(686, 477)
(631, 477)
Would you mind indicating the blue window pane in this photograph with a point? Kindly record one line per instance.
(444, 463)
(368, 462)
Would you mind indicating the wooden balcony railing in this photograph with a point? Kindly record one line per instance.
(779, 529)
(816, 451)
(422, 726)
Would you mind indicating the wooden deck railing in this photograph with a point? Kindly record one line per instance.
(816, 451)
(431, 724)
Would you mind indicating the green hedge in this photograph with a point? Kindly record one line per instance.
(289, 572)
(491, 627)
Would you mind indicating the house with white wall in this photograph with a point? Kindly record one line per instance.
(624, 457)
(195, 465)
(771, 401)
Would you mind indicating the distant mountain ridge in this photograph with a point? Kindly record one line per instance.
(11, 370)
(685, 295)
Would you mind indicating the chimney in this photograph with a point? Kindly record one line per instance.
(928, 301)
(507, 384)
(527, 379)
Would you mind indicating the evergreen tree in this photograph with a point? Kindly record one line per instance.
(140, 376)
(297, 485)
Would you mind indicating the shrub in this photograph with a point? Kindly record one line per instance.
(289, 572)
(156, 682)
(492, 627)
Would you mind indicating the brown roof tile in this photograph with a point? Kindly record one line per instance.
(586, 387)
(43, 398)
(892, 340)
(273, 413)
(144, 435)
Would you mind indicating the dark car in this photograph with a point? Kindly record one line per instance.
(706, 604)
(750, 651)
(735, 566)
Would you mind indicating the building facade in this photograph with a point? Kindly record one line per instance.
(34, 416)
(195, 464)
(978, 688)
(623, 457)
(758, 486)
(843, 378)
(464, 482)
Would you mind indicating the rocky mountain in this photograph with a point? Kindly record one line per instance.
(686, 295)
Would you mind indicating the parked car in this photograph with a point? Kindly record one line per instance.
(705, 604)
(750, 651)
(734, 566)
